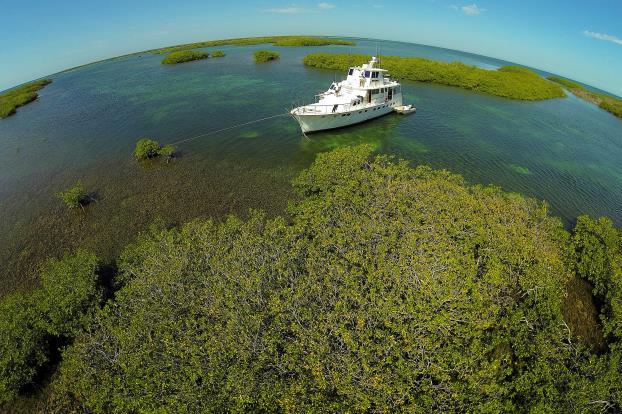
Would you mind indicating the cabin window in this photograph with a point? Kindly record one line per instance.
(374, 75)
(350, 72)
(367, 74)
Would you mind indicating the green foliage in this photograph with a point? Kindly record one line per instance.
(612, 105)
(597, 245)
(597, 256)
(606, 102)
(276, 40)
(22, 344)
(68, 293)
(565, 82)
(508, 82)
(59, 308)
(388, 289)
(392, 289)
(75, 196)
(13, 99)
(263, 56)
(183, 56)
(167, 151)
(218, 53)
(146, 148)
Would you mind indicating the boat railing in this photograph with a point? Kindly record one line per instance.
(321, 109)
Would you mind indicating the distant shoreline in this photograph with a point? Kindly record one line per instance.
(604, 101)
(354, 38)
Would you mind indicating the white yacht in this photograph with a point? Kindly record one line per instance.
(368, 92)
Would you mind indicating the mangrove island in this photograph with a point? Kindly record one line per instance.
(275, 40)
(184, 56)
(20, 96)
(263, 56)
(508, 82)
(606, 102)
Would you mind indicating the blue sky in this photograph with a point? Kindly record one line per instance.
(578, 39)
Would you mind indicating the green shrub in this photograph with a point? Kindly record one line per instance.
(60, 308)
(167, 151)
(263, 56)
(508, 82)
(612, 105)
(218, 53)
(184, 56)
(13, 99)
(597, 246)
(69, 293)
(146, 148)
(75, 196)
(23, 344)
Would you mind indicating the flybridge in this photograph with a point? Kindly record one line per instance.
(366, 76)
(366, 93)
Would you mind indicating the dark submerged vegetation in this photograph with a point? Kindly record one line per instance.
(275, 40)
(508, 82)
(183, 56)
(20, 96)
(606, 102)
(389, 288)
(263, 56)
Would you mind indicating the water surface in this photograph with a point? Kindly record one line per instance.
(86, 123)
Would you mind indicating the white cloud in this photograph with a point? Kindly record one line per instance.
(326, 6)
(471, 9)
(292, 9)
(603, 36)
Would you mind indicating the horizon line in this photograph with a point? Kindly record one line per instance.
(319, 36)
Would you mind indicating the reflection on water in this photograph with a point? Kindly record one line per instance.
(86, 123)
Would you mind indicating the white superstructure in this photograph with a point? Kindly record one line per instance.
(368, 92)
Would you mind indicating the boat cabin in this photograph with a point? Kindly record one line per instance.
(366, 76)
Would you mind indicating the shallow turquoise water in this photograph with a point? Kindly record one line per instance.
(86, 123)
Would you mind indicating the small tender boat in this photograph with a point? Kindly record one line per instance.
(368, 92)
(405, 109)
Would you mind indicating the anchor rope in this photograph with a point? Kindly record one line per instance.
(228, 128)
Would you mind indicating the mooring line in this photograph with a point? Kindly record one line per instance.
(228, 128)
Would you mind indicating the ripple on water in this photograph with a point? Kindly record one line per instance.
(87, 122)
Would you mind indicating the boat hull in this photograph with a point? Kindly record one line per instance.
(314, 123)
